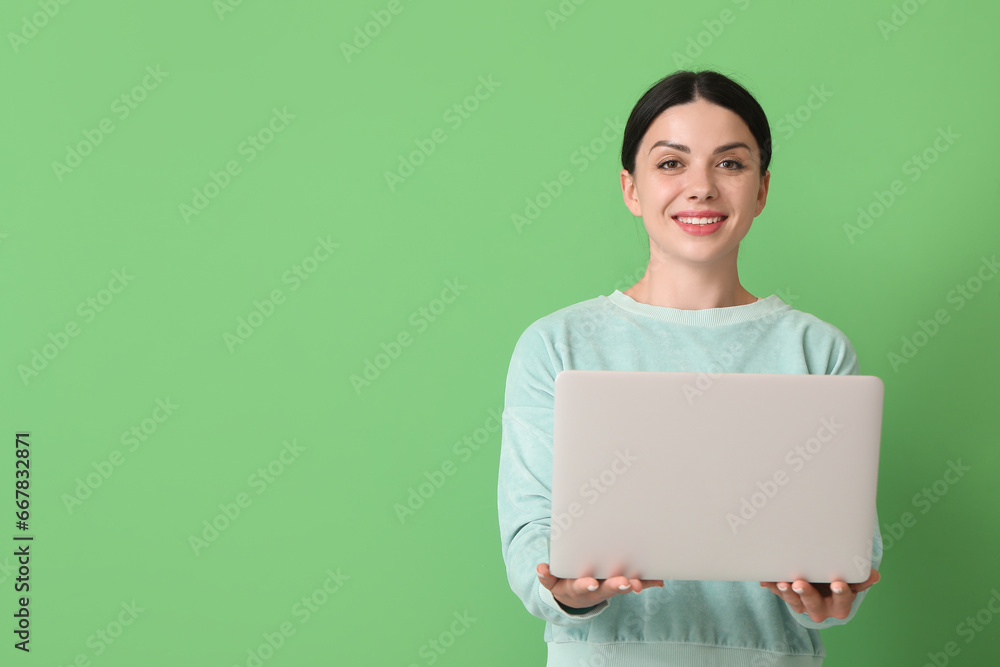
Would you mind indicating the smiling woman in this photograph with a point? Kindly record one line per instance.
(695, 158)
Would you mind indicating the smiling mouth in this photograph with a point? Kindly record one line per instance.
(700, 221)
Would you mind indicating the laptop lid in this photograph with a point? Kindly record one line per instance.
(723, 476)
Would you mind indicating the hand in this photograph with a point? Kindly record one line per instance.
(820, 601)
(587, 591)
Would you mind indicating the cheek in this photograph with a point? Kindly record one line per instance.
(663, 191)
(745, 199)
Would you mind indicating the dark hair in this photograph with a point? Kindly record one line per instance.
(683, 87)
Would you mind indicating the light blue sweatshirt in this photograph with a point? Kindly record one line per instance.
(686, 623)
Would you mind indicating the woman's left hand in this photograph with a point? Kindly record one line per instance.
(820, 601)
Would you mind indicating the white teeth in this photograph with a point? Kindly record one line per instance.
(700, 221)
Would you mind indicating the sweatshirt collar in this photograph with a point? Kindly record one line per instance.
(711, 317)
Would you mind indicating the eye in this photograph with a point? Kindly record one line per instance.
(670, 164)
(735, 165)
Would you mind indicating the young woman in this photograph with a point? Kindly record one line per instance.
(695, 160)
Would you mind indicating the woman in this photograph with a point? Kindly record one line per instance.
(695, 155)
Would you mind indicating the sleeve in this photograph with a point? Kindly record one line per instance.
(524, 490)
(841, 357)
(844, 361)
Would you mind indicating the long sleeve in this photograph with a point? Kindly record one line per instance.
(844, 361)
(524, 495)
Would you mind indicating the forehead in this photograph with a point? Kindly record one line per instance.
(698, 124)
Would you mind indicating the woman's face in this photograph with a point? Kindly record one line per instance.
(696, 162)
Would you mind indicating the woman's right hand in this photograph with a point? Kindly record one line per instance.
(587, 591)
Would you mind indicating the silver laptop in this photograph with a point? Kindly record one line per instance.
(722, 476)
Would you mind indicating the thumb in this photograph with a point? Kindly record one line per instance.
(545, 576)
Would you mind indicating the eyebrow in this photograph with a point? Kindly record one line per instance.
(685, 149)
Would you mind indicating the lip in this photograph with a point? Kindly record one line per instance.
(700, 230)
(698, 214)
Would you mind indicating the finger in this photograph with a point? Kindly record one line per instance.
(813, 602)
(842, 599)
(546, 577)
(550, 581)
(771, 586)
(643, 585)
(792, 598)
(616, 586)
(585, 586)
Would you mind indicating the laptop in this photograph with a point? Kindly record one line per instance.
(721, 476)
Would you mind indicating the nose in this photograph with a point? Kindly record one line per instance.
(701, 184)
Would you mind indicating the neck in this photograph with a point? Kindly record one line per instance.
(690, 287)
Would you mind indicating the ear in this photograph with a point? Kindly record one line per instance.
(765, 182)
(629, 193)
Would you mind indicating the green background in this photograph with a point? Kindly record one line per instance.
(362, 449)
